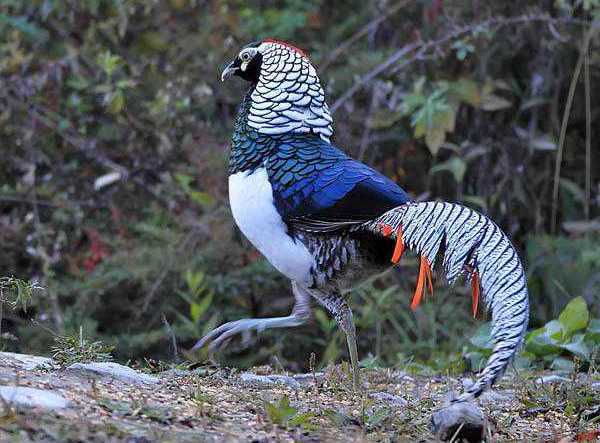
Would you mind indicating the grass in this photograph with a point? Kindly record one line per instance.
(75, 348)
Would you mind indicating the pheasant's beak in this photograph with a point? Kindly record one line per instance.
(229, 71)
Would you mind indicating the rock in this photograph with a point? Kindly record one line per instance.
(115, 370)
(493, 396)
(309, 379)
(391, 399)
(31, 397)
(463, 417)
(248, 377)
(467, 383)
(551, 379)
(27, 362)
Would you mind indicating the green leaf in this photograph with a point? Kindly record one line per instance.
(198, 309)
(573, 188)
(30, 30)
(492, 102)
(194, 280)
(467, 91)
(578, 347)
(281, 412)
(562, 364)
(592, 334)
(456, 165)
(304, 420)
(202, 198)
(539, 343)
(109, 62)
(575, 316)
(556, 332)
(117, 102)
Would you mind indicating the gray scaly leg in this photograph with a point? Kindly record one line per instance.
(299, 316)
(337, 306)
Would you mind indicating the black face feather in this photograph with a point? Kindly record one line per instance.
(252, 71)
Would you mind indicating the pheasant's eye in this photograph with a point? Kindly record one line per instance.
(245, 56)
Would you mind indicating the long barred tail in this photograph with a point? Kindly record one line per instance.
(468, 243)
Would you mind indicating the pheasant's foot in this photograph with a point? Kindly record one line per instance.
(225, 332)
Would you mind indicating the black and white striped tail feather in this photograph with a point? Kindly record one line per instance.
(472, 243)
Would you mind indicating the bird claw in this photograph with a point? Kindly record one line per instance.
(220, 337)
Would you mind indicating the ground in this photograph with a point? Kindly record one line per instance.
(112, 403)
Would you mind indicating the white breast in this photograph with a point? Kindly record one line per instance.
(253, 208)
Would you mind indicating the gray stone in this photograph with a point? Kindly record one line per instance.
(31, 397)
(467, 382)
(114, 370)
(551, 379)
(27, 362)
(493, 396)
(248, 377)
(463, 419)
(308, 378)
(391, 399)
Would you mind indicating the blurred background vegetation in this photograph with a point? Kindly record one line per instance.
(114, 132)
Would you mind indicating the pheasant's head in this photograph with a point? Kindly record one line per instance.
(286, 94)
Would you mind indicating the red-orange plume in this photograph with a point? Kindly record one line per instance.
(475, 291)
(424, 274)
(292, 47)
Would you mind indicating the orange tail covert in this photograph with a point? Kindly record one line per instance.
(399, 249)
(475, 292)
(424, 274)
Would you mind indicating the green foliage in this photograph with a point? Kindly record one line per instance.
(199, 298)
(562, 267)
(75, 348)
(433, 114)
(282, 414)
(282, 22)
(573, 335)
(17, 293)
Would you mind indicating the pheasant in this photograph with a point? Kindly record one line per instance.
(326, 221)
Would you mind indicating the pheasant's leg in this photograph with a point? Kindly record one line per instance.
(337, 306)
(300, 315)
(346, 322)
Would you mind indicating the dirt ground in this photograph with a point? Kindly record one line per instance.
(217, 404)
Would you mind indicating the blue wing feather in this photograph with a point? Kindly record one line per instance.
(317, 186)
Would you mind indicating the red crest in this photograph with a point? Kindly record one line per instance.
(292, 47)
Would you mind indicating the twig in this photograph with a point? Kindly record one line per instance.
(588, 135)
(453, 439)
(172, 336)
(361, 33)
(565, 120)
(395, 57)
(425, 46)
(364, 142)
